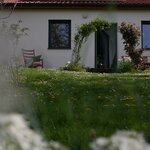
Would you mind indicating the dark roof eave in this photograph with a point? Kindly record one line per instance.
(81, 5)
(57, 5)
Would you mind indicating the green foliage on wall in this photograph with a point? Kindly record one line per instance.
(83, 32)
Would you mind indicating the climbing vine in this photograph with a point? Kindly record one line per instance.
(83, 32)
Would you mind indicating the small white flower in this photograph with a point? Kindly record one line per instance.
(68, 63)
(126, 58)
(16, 135)
(100, 142)
(122, 140)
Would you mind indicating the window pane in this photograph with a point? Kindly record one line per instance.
(146, 36)
(59, 34)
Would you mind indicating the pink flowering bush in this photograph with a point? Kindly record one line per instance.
(131, 35)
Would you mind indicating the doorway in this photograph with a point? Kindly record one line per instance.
(106, 48)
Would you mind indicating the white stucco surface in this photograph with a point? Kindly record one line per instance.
(37, 21)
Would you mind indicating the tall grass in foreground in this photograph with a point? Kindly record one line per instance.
(75, 108)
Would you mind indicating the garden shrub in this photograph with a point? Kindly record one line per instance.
(71, 67)
(126, 66)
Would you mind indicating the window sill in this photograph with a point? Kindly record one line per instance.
(146, 49)
(58, 48)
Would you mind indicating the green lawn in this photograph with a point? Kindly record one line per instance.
(74, 108)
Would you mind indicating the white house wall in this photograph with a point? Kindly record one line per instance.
(37, 21)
